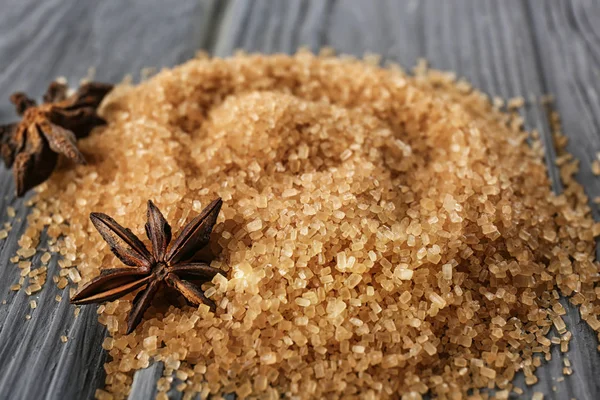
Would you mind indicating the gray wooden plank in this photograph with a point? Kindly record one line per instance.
(488, 42)
(568, 35)
(568, 50)
(144, 386)
(38, 42)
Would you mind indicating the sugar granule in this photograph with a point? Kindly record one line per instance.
(380, 234)
(596, 167)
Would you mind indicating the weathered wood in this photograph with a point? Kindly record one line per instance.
(506, 49)
(568, 54)
(144, 386)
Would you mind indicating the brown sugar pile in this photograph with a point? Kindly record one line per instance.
(382, 235)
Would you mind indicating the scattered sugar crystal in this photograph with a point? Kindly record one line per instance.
(210, 292)
(62, 283)
(353, 280)
(150, 343)
(26, 253)
(45, 258)
(254, 225)
(74, 275)
(268, 358)
(335, 308)
(596, 167)
(36, 287)
(289, 193)
(358, 349)
(403, 273)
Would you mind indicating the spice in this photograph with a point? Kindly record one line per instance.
(31, 147)
(151, 270)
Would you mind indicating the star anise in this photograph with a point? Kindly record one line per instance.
(151, 270)
(31, 147)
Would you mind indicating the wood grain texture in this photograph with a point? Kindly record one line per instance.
(568, 53)
(507, 49)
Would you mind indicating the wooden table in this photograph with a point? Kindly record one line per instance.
(505, 48)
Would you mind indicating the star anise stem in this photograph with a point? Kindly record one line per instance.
(150, 270)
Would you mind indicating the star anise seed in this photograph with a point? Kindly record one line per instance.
(151, 270)
(31, 147)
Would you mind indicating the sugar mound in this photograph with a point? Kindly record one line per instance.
(383, 234)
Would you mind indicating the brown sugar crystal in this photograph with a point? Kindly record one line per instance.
(380, 233)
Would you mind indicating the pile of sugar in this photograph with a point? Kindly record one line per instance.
(382, 235)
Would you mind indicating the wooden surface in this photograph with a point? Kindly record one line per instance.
(505, 48)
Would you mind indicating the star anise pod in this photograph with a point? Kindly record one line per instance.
(151, 270)
(31, 147)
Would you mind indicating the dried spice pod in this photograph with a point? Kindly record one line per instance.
(31, 146)
(153, 269)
